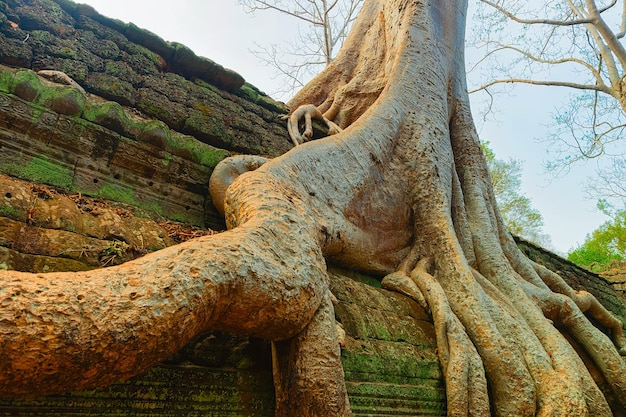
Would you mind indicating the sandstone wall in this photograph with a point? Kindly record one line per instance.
(152, 123)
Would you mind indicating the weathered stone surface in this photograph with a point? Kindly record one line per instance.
(42, 230)
(102, 150)
(616, 276)
(133, 67)
(390, 359)
(124, 63)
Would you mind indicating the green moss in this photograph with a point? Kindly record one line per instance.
(107, 49)
(112, 88)
(152, 57)
(249, 92)
(10, 212)
(253, 94)
(6, 80)
(381, 332)
(271, 104)
(201, 152)
(63, 100)
(117, 69)
(41, 170)
(42, 35)
(387, 363)
(26, 85)
(155, 132)
(154, 110)
(112, 116)
(184, 218)
(154, 208)
(94, 112)
(67, 52)
(167, 158)
(206, 123)
(118, 193)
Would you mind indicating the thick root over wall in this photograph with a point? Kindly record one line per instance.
(401, 190)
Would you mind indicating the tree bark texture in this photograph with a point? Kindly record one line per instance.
(403, 191)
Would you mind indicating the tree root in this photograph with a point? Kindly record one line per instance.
(466, 384)
(586, 302)
(307, 112)
(311, 361)
(226, 172)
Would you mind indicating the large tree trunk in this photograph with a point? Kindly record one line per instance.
(402, 191)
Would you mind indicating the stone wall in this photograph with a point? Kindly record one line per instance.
(617, 278)
(146, 126)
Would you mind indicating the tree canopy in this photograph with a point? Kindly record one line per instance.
(604, 245)
(517, 212)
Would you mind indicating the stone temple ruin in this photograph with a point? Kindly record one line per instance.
(95, 175)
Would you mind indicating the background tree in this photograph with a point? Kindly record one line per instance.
(402, 192)
(325, 25)
(516, 209)
(575, 44)
(604, 245)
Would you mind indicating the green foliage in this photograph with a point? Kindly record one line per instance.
(516, 209)
(604, 245)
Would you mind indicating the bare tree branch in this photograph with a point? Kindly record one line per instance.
(326, 25)
(535, 21)
(548, 83)
(524, 41)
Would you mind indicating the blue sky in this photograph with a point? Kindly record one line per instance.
(222, 31)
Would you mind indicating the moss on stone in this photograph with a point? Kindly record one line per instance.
(118, 193)
(112, 88)
(26, 85)
(156, 111)
(253, 94)
(63, 100)
(203, 121)
(154, 132)
(111, 115)
(184, 218)
(108, 49)
(167, 158)
(6, 79)
(42, 36)
(389, 362)
(119, 70)
(41, 170)
(201, 152)
(67, 52)
(10, 212)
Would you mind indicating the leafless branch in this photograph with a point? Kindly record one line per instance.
(327, 23)
(535, 21)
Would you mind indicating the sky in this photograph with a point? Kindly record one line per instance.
(221, 31)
